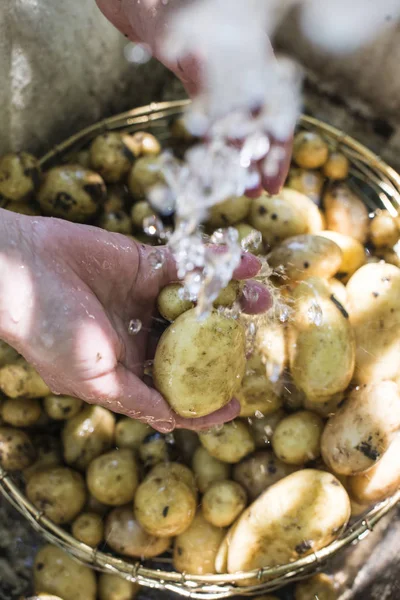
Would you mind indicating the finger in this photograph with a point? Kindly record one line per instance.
(112, 10)
(255, 298)
(275, 166)
(219, 417)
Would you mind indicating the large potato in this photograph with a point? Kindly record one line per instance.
(60, 408)
(208, 469)
(199, 364)
(353, 253)
(112, 478)
(299, 515)
(114, 587)
(20, 380)
(195, 550)
(87, 435)
(21, 412)
(259, 471)
(16, 449)
(345, 212)
(125, 535)
(55, 572)
(320, 341)
(230, 211)
(230, 442)
(223, 502)
(374, 306)
(88, 528)
(357, 436)
(304, 256)
(297, 438)
(7, 354)
(57, 491)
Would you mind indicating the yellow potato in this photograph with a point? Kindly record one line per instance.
(319, 586)
(55, 572)
(21, 412)
(231, 211)
(16, 449)
(353, 253)
(304, 256)
(320, 341)
(125, 535)
(296, 439)
(296, 516)
(310, 151)
(145, 173)
(360, 432)
(374, 307)
(60, 408)
(337, 166)
(143, 143)
(113, 478)
(57, 491)
(259, 471)
(250, 239)
(19, 176)
(48, 454)
(7, 354)
(195, 550)
(229, 443)
(130, 433)
(345, 212)
(88, 528)
(262, 428)
(20, 380)
(170, 303)
(114, 587)
(208, 469)
(153, 449)
(111, 156)
(87, 435)
(383, 230)
(307, 182)
(199, 364)
(178, 471)
(223, 502)
(117, 221)
(141, 211)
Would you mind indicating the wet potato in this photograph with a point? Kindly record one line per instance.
(145, 174)
(21, 380)
(153, 450)
(309, 183)
(60, 408)
(16, 449)
(88, 528)
(223, 502)
(140, 211)
(262, 428)
(257, 392)
(383, 230)
(113, 477)
(353, 253)
(111, 155)
(130, 433)
(229, 443)
(250, 238)
(207, 469)
(259, 471)
(336, 167)
(296, 439)
(117, 221)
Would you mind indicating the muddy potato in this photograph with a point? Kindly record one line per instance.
(199, 364)
(170, 303)
(373, 294)
(327, 407)
(319, 586)
(262, 428)
(16, 449)
(304, 256)
(88, 528)
(145, 173)
(296, 439)
(307, 182)
(20, 380)
(130, 433)
(55, 572)
(229, 443)
(72, 192)
(320, 341)
(338, 289)
(296, 516)
(195, 550)
(144, 143)
(87, 435)
(383, 230)
(141, 211)
(7, 354)
(111, 155)
(257, 392)
(336, 167)
(187, 443)
(19, 176)
(153, 449)
(126, 536)
(178, 471)
(114, 587)
(117, 221)
(60, 408)
(353, 253)
(345, 212)
(59, 492)
(21, 412)
(208, 469)
(231, 211)
(223, 502)
(113, 477)
(259, 471)
(361, 431)
(48, 454)
(310, 151)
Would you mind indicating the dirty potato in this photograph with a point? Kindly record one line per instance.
(60, 408)
(114, 587)
(353, 253)
(170, 302)
(21, 412)
(259, 471)
(223, 502)
(345, 212)
(19, 176)
(130, 433)
(231, 211)
(111, 155)
(88, 528)
(113, 478)
(208, 469)
(16, 449)
(229, 443)
(310, 151)
(257, 392)
(296, 439)
(20, 380)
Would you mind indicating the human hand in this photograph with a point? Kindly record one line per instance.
(67, 295)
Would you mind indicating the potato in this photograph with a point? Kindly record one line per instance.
(327, 407)
(229, 443)
(7, 354)
(141, 211)
(257, 392)
(87, 435)
(117, 221)
(144, 143)
(195, 550)
(357, 436)
(320, 341)
(48, 454)
(304, 256)
(296, 439)
(374, 307)
(19, 176)
(145, 173)
(231, 211)
(296, 516)
(180, 472)
(114, 587)
(72, 192)
(259, 471)
(223, 502)
(310, 151)
(153, 449)
(164, 504)
(16, 449)
(319, 586)
(170, 303)
(228, 295)
(59, 492)
(337, 166)
(199, 364)
(21, 412)
(130, 433)
(353, 253)
(262, 428)
(250, 239)
(113, 477)
(383, 231)
(345, 212)
(20, 380)
(125, 535)
(88, 528)
(309, 183)
(60, 408)
(187, 443)
(111, 155)
(208, 469)
(338, 289)
(55, 572)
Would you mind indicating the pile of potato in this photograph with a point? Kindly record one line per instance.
(316, 442)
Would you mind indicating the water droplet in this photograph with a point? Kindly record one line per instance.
(252, 328)
(315, 314)
(156, 259)
(135, 325)
(258, 414)
(148, 367)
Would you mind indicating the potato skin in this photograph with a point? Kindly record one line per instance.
(230, 443)
(208, 469)
(16, 449)
(114, 587)
(21, 380)
(199, 365)
(296, 439)
(178, 471)
(300, 514)
(223, 502)
(345, 212)
(357, 436)
(113, 478)
(153, 449)
(259, 471)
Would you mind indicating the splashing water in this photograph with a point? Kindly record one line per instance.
(135, 326)
(156, 259)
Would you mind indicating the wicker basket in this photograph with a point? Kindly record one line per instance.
(379, 186)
